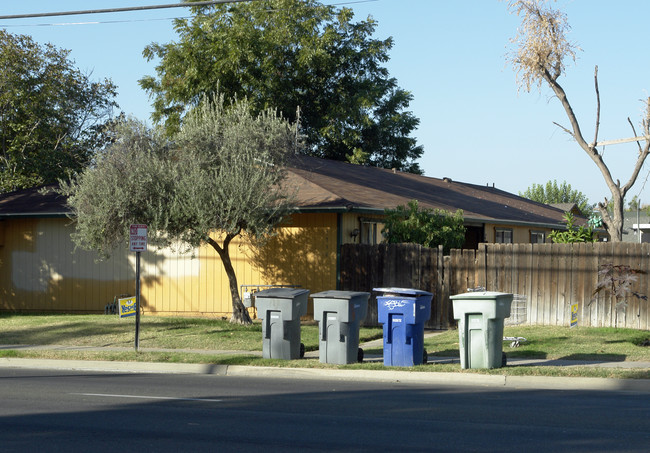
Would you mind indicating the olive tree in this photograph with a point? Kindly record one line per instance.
(221, 176)
(542, 49)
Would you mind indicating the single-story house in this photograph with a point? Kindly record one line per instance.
(336, 203)
(636, 226)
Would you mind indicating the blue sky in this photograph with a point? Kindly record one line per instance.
(474, 124)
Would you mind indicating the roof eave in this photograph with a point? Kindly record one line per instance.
(34, 215)
(370, 210)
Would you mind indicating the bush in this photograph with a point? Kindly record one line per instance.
(426, 227)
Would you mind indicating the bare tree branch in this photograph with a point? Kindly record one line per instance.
(637, 167)
(597, 105)
(634, 133)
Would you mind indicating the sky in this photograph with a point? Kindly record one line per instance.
(475, 125)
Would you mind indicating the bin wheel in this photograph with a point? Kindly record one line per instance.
(504, 359)
(302, 350)
(360, 355)
(425, 356)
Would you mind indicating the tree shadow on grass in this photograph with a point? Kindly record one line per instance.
(63, 333)
(596, 357)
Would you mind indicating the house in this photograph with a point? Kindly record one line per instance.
(568, 207)
(336, 203)
(361, 194)
(636, 226)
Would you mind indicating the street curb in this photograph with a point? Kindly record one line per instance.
(115, 367)
(396, 376)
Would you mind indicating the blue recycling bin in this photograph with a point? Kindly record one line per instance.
(403, 312)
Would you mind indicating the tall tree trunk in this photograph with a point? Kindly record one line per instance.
(239, 312)
(613, 222)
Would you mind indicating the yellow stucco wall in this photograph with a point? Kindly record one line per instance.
(40, 271)
(302, 253)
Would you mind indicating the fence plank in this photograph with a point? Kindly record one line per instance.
(643, 312)
(447, 310)
(551, 277)
(563, 283)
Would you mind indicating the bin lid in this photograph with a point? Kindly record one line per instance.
(403, 291)
(481, 295)
(336, 294)
(281, 293)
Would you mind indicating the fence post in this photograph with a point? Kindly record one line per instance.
(481, 266)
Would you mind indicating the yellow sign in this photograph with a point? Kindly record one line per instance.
(574, 315)
(127, 307)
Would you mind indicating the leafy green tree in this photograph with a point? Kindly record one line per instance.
(554, 193)
(51, 114)
(572, 233)
(309, 60)
(427, 227)
(218, 178)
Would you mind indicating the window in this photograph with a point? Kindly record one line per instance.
(503, 236)
(537, 237)
(369, 232)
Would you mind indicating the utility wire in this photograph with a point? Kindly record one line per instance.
(94, 22)
(120, 10)
(135, 8)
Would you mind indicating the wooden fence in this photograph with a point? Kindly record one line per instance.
(546, 278)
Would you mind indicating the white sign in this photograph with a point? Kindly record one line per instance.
(138, 238)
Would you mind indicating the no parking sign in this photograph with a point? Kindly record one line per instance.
(138, 238)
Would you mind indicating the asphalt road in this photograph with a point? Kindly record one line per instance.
(51, 410)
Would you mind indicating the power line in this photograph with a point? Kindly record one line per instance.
(95, 22)
(136, 8)
(120, 10)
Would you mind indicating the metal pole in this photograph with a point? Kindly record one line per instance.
(137, 301)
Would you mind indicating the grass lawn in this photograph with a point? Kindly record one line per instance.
(198, 336)
(550, 342)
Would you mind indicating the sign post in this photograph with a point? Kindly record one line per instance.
(137, 244)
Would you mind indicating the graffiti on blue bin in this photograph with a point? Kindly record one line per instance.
(393, 304)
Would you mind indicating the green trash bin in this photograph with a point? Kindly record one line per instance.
(480, 318)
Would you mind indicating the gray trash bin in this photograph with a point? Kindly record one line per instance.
(480, 318)
(339, 314)
(280, 310)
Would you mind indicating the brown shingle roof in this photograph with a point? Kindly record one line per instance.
(332, 185)
(327, 184)
(35, 202)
